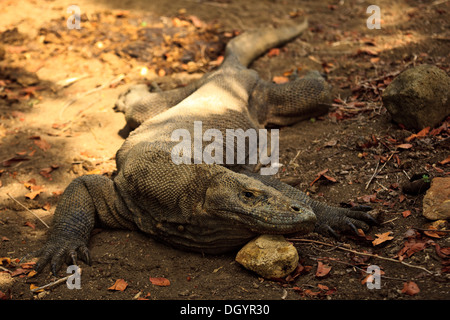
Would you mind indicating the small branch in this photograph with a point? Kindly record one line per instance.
(363, 254)
(382, 167)
(103, 86)
(374, 174)
(34, 214)
(358, 268)
(54, 283)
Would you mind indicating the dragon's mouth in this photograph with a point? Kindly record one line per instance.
(270, 223)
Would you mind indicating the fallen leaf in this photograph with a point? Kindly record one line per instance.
(196, 21)
(422, 133)
(322, 269)
(31, 225)
(159, 281)
(412, 245)
(14, 160)
(435, 227)
(322, 174)
(280, 79)
(33, 286)
(18, 272)
(46, 172)
(369, 198)
(31, 274)
(309, 292)
(119, 285)
(410, 288)
(322, 287)
(406, 213)
(95, 171)
(382, 237)
(445, 161)
(35, 190)
(404, 146)
(273, 52)
(41, 143)
(28, 265)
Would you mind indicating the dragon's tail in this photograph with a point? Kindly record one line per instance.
(250, 45)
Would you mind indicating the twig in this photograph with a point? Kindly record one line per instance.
(363, 253)
(388, 221)
(107, 84)
(54, 283)
(28, 210)
(80, 114)
(51, 284)
(358, 268)
(376, 173)
(68, 82)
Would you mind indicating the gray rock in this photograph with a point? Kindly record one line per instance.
(270, 256)
(436, 203)
(419, 97)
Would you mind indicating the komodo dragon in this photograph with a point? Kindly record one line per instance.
(210, 208)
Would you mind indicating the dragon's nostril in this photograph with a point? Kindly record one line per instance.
(295, 208)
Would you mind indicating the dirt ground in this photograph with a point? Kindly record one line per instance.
(53, 130)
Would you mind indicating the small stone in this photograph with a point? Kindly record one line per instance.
(270, 256)
(419, 97)
(436, 203)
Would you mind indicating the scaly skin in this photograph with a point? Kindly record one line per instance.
(201, 207)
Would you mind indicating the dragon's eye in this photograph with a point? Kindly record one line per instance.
(248, 194)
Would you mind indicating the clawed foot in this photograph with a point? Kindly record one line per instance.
(130, 97)
(331, 222)
(57, 251)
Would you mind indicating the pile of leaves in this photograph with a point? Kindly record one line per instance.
(183, 43)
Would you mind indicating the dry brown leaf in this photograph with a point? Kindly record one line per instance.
(435, 227)
(445, 161)
(159, 281)
(410, 288)
(46, 172)
(273, 52)
(422, 133)
(33, 194)
(119, 285)
(412, 245)
(31, 274)
(33, 286)
(95, 171)
(322, 269)
(404, 146)
(13, 160)
(30, 224)
(280, 79)
(41, 143)
(382, 237)
(406, 213)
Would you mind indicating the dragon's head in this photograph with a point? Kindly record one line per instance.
(259, 208)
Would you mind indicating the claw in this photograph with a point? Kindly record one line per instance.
(84, 255)
(332, 232)
(73, 257)
(371, 219)
(352, 226)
